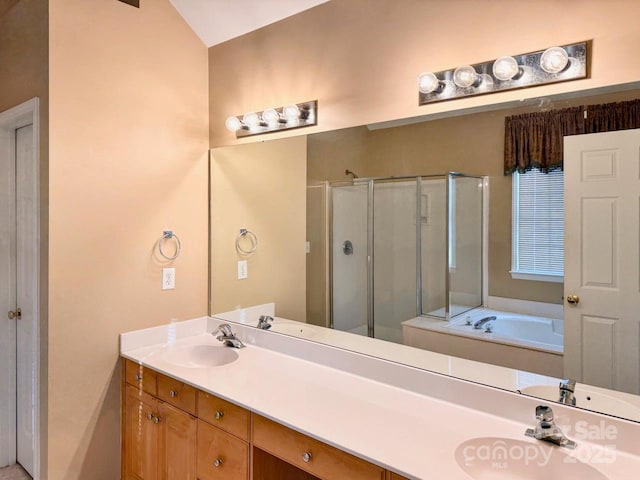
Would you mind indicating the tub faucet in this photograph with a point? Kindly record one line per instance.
(264, 322)
(480, 323)
(567, 387)
(547, 430)
(227, 336)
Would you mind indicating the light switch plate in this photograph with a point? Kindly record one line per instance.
(168, 278)
(242, 270)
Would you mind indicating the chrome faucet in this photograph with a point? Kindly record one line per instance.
(227, 336)
(264, 322)
(480, 323)
(546, 429)
(567, 387)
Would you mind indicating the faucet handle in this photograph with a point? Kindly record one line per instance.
(544, 414)
(224, 329)
(568, 384)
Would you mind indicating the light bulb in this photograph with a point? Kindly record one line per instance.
(554, 60)
(270, 117)
(429, 83)
(505, 68)
(251, 119)
(465, 76)
(291, 112)
(233, 124)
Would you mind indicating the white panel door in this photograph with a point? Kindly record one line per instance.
(602, 259)
(26, 294)
(7, 300)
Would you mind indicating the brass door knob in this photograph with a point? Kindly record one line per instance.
(573, 299)
(156, 419)
(15, 314)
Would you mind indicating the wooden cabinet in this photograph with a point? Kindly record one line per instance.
(310, 455)
(172, 431)
(160, 440)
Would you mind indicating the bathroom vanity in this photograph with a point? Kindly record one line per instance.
(285, 407)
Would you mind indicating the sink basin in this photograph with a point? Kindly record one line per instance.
(593, 398)
(496, 458)
(199, 356)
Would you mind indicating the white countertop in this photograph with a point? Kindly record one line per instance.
(411, 433)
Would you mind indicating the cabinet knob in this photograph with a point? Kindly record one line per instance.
(138, 377)
(306, 457)
(217, 462)
(15, 314)
(173, 393)
(156, 419)
(149, 416)
(219, 414)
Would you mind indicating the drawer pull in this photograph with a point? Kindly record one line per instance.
(149, 416)
(219, 414)
(173, 394)
(156, 419)
(138, 377)
(217, 462)
(306, 457)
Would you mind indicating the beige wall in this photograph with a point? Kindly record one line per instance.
(360, 58)
(128, 158)
(24, 72)
(260, 187)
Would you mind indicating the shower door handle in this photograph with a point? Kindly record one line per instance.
(17, 314)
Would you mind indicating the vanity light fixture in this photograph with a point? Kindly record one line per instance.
(274, 119)
(555, 64)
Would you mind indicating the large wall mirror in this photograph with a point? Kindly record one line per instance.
(398, 240)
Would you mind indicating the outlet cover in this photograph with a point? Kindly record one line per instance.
(168, 278)
(242, 270)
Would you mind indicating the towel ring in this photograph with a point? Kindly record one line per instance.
(166, 235)
(252, 238)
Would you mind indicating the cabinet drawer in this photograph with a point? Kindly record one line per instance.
(225, 415)
(311, 455)
(140, 377)
(221, 456)
(177, 393)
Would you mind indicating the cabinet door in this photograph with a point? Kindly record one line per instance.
(178, 454)
(143, 437)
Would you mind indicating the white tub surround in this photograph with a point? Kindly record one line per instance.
(521, 342)
(402, 418)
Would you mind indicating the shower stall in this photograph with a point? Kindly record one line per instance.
(401, 247)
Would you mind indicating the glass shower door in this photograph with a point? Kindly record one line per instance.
(464, 235)
(395, 266)
(349, 258)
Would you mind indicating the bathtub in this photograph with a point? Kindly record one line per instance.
(522, 342)
(509, 328)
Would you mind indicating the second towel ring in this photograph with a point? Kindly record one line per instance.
(167, 234)
(244, 233)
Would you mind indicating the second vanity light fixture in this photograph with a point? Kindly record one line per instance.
(555, 64)
(274, 119)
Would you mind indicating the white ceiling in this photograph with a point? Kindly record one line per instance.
(216, 21)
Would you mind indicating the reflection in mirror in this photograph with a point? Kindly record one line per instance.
(361, 230)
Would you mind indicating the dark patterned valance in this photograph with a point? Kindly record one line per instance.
(535, 140)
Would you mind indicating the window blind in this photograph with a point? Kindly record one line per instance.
(538, 223)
